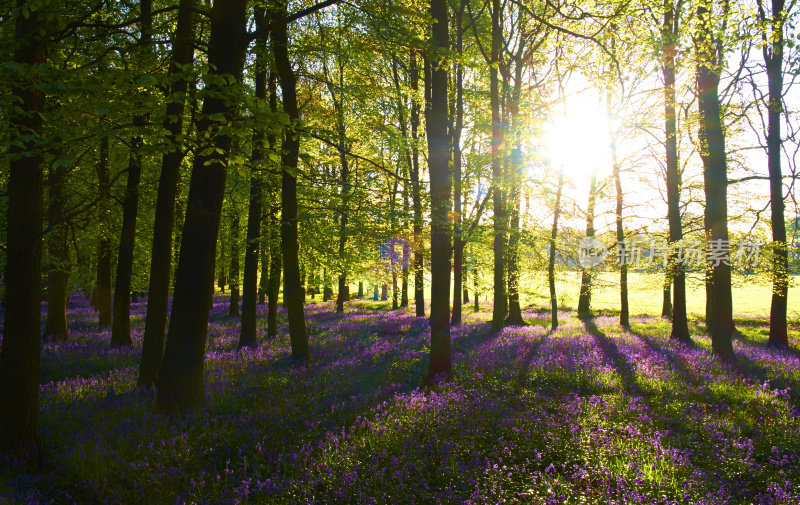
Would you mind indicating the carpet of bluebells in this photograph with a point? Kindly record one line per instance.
(586, 414)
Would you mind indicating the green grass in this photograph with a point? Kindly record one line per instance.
(750, 296)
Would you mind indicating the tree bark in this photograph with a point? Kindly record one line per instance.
(438, 154)
(274, 284)
(585, 297)
(772, 50)
(233, 282)
(498, 184)
(416, 196)
(458, 221)
(475, 284)
(551, 259)
(345, 189)
(180, 383)
(121, 325)
(247, 332)
(293, 296)
(101, 297)
(165, 215)
(624, 319)
(21, 346)
(58, 255)
(712, 152)
(676, 270)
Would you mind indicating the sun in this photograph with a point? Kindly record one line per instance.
(578, 142)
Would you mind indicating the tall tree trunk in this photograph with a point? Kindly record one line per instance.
(666, 291)
(345, 190)
(585, 297)
(274, 284)
(551, 259)
(165, 216)
(475, 285)
(263, 276)
(712, 141)
(514, 310)
(180, 383)
(465, 269)
(233, 308)
(21, 346)
(680, 326)
(498, 184)
(438, 154)
(58, 255)
(121, 325)
(101, 297)
(624, 319)
(772, 49)
(247, 333)
(293, 296)
(416, 197)
(458, 238)
(515, 177)
(406, 248)
(121, 328)
(407, 173)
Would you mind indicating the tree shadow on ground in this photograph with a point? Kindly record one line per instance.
(613, 356)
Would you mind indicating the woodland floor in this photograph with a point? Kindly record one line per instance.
(586, 414)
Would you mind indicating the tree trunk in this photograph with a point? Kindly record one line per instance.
(407, 173)
(274, 284)
(101, 297)
(21, 345)
(498, 139)
(772, 49)
(416, 197)
(514, 310)
(624, 319)
(121, 325)
(465, 269)
(247, 333)
(345, 189)
(58, 255)
(121, 328)
(712, 142)
(666, 291)
(438, 154)
(263, 276)
(165, 215)
(233, 281)
(676, 270)
(458, 221)
(476, 294)
(585, 297)
(180, 383)
(293, 296)
(551, 259)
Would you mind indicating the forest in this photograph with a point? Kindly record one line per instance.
(365, 252)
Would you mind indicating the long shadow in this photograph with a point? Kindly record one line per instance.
(613, 355)
(678, 364)
(522, 376)
(764, 344)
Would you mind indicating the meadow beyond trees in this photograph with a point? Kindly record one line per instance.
(444, 252)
